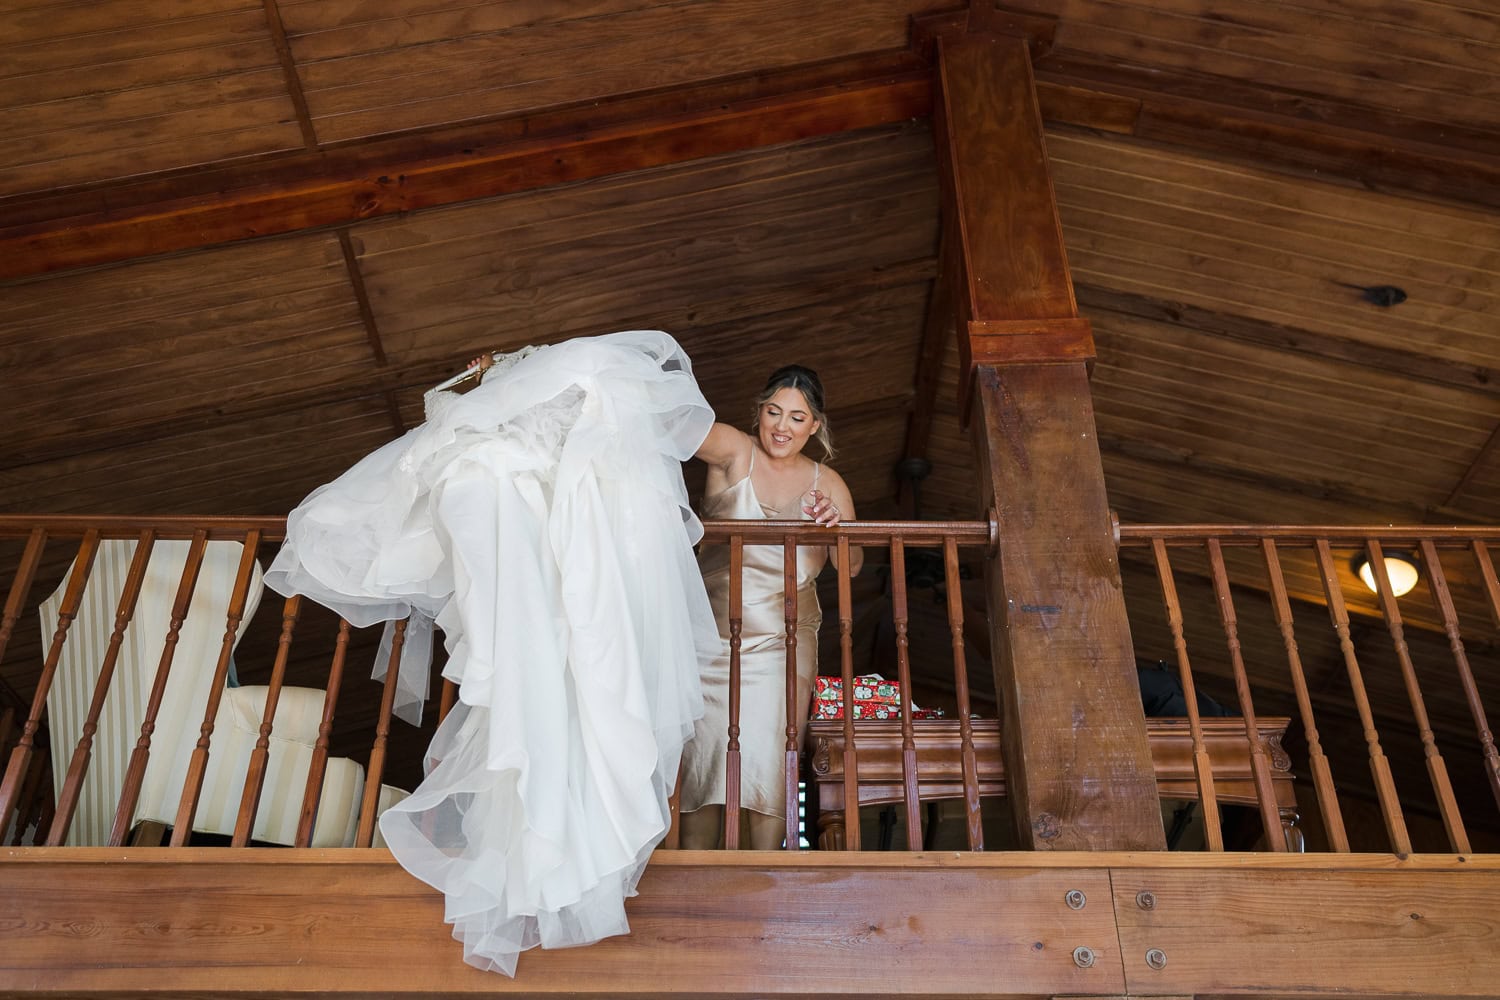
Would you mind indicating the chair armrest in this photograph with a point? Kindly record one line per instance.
(299, 711)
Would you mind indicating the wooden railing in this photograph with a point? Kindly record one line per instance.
(56, 548)
(907, 761)
(1312, 568)
(898, 536)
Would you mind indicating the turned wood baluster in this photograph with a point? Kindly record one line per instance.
(1203, 768)
(1322, 774)
(1380, 767)
(1260, 764)
(789, 593)
(732, 748)
(1492, 591)
(961, 690)
(1437, 770)
(367, 809)
(67, 801)
(1486, 575)
(255, 775)
(192, 789)
(313, 794)
(1442, 601)
(135, 772)
(34, 805)
(846, 671)
(20, 757)
(20, 586)
(911, 794)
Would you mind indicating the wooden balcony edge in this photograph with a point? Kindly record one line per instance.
(224, 923)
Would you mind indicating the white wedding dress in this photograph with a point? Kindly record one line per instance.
(542, 522)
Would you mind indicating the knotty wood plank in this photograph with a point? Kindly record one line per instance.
(1427, 933)
(764, 930)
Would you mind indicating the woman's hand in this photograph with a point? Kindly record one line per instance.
(483, 362)
(821, 508)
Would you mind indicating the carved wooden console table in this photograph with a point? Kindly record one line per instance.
(940, 770)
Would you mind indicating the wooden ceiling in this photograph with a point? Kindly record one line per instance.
(239, 237)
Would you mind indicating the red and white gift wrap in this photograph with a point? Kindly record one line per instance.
(874, 698)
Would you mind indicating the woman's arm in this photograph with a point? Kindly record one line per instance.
(724, 447)
(831, 505)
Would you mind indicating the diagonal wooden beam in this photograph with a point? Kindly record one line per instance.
(339, 187)
(937, 334)
(277, 31)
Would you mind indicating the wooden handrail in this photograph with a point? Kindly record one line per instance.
(173, 528)
(967, 534)
(1251, 534)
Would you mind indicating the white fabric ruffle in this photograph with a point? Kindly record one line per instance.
(542, 522)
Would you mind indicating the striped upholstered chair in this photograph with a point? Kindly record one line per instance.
(237, 723)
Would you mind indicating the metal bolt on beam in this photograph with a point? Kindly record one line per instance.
(1083, 957)
(1145, 899)
(1157, 959)
(1075, 899)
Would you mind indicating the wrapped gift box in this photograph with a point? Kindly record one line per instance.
(874, 698)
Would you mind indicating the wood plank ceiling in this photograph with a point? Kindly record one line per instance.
(1232, 179)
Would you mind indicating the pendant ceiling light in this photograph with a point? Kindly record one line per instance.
(1400, 568)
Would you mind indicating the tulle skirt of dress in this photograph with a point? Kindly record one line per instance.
(542, 522)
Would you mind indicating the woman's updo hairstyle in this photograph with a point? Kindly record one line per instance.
(805, 381)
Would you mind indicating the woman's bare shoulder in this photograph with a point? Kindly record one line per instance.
(727, 449)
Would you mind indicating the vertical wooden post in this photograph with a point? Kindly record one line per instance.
(1075, 745)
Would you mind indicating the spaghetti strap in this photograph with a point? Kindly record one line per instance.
(817, 473)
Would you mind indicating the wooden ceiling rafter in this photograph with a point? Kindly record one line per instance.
(1487, 455)
(938, 327)
(367, 317)
(289, 73)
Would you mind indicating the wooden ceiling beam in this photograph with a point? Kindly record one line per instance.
(1059, 628)
(67, 230)
(1269, 127)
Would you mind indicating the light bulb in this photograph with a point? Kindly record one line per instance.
(1400, 569)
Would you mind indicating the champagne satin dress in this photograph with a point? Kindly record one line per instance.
(762, 663)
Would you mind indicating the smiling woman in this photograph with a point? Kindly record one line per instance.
(761, 475)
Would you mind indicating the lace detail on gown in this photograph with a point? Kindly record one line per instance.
(541, 521)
